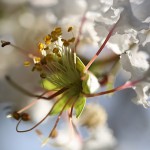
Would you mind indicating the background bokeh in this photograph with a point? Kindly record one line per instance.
(24, 22)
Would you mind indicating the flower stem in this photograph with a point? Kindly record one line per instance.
(58, 118)
(41, 96)
(119, 88)
(101, 48)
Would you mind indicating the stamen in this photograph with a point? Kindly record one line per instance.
(39, 133)
(41, 46)
(55, 50)
(5, 43)
(101, 48)
(58, 93)
(41, 96)
(26, 63)
(119, 88)
(58, 118)
(19, 88)
(71, 40)
(70, 29)
(73, 126)
(14, 115)
(45, 141)
(28, 106)
(75, 58)
(36, 60)
(25, 117)
(39, 121)
(70, 119)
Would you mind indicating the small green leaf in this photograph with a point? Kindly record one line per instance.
(85, 87)
(61, 103)
(79, 105)
(48, 85)
(79, 65)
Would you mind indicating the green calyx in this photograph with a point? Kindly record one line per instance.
(67, 73)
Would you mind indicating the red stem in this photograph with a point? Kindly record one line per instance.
(59, 116)
(119, 88)
(40, 121)
(101, 48)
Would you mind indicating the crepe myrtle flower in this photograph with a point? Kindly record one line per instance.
(64, 76)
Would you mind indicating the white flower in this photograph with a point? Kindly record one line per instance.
(130, 29)
(67, 141)
(122, 9)
(136, 63)
(143, 94)
(119, 43)
(101, 136)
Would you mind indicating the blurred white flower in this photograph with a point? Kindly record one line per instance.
(67, 141)
(136, 63)
(100, 137)
(40, 110)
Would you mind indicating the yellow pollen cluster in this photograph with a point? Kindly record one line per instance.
(36, 60)
(26, 63)
(41, 46)
(51, 49)
(70, 29)
(47, 39)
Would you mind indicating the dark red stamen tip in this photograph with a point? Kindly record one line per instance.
(5, 43)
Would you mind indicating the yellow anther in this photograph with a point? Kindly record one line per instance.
(49, 57)
(55, 50)
(45, 141)
(47, 42)
(58, 29)
(63, 40)
(37, 67)
(47, 39)
(41, 46)
(54, 39)
(43, 61)
(54, 134)
(66, 43)
(53, 33)
(70, 29)
(43, 75)
(58, 54)
(46, 48)
(36, 60)
(71, 40)
(26, 63)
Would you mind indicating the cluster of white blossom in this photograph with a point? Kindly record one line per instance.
(130, 41)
